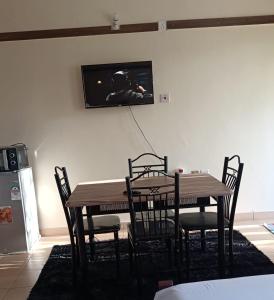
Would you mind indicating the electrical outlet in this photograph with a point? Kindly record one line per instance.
(165, 98)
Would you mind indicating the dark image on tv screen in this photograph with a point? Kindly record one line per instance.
(118, 84)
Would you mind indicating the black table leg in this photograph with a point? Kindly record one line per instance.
(221, 237)
(81, 241)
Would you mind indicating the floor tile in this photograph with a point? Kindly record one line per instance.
(259, 237)
(27, 278)
(7, 281)
(17, 294)
(35, 264)
(39, 257)
(3, 293)
(15, 257)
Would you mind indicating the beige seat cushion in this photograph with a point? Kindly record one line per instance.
(200, 220)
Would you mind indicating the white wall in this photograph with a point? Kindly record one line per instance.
(40, 14)
(220, 81)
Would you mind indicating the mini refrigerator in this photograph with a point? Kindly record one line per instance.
(19, 229)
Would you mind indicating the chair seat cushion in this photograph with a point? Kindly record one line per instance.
(152, 229)
(106, 222)
(103, 224)
(200, 220)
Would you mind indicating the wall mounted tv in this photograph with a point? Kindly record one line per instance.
(118, 84)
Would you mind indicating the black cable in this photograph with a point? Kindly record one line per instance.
(137, 124)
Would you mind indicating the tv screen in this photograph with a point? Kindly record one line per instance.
(118, 84)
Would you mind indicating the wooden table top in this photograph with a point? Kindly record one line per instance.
(110, 192)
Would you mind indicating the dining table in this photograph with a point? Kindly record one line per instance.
(110, 197)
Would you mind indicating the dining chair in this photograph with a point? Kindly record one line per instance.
(146, 162)
(136, 168)
(92, 225)
(151, 198)
(146, 165)
(232, 174)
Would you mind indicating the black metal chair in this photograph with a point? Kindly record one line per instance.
(208, 220)
(92, 225)
(151, 199)
(136, 169)
(145, 166)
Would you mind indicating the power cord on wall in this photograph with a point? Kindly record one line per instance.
(138, 126)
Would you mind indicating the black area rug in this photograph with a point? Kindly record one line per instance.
(55, 281)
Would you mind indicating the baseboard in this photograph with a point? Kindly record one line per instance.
(264, 215)
(59, 231)
(249, 216)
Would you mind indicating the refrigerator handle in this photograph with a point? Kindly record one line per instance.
(5, 160)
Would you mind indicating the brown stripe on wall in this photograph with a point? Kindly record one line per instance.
(132, 28)
(220, 22)
(73, 32)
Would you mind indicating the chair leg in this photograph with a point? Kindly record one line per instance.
(203, 240)
(168, 243)
(203, 233)
(178, 257)
(74, 262)
(231, 247)
(187, 253)
(117, 252)
(181, 245)
(77, 252)
(138, 269)
(91, 233)
(130, 254)
(91, 246)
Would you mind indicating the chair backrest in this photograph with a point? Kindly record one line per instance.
(232, 175)
(149, 202)
(63, 186)
(136, 169)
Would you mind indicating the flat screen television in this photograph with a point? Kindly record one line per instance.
(118, 84)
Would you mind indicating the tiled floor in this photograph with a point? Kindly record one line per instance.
(19, 272)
